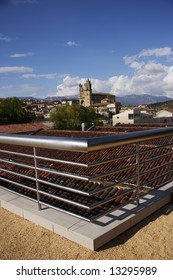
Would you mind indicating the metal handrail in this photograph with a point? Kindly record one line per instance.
(85, 144)
(127, 176)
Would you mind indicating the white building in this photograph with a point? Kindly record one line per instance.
(164, 116)
(132, 116)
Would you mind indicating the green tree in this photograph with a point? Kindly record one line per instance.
(13, 111)
(71, 117)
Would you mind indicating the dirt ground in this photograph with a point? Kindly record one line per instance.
(151, 239)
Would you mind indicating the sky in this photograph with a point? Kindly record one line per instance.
(48, 47)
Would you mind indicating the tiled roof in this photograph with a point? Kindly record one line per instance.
(125, 128)
(71, 191)
(22, 128)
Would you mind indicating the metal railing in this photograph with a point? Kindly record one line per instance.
(86, 177)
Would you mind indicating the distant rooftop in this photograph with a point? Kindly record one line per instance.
(22, 128)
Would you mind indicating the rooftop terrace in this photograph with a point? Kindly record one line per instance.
(88, 175)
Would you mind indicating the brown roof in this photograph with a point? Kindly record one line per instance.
(64, 191)
(170, 110)
(22, 128)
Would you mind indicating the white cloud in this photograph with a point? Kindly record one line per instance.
(168, 79)
(132, 62)
(156, 52)
(4, 38)
(114, 85)
(15, 69)
(37, 76)
(19, 91)
(129, 59)
(154, 68)
(135, 61)
(19, 55)
(136, 65)
(69, 86)
(149, 77)
(71, 44)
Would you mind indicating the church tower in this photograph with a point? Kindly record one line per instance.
(85, 94)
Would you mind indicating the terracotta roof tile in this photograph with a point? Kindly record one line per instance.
(22, 128)
(64, 191)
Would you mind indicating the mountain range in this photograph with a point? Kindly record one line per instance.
(135, 100)
(128, 100)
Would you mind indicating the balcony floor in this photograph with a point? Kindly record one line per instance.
(91, 235)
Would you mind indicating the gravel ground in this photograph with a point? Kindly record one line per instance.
(151, 239)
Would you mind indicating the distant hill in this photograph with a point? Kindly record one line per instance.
(162, 105)
(135, 100)
(70, 97)
(27, 98)
(128, 100)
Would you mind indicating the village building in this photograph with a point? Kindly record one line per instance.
(102, 102)
(165, 116)
(132, 116)
(137, 116)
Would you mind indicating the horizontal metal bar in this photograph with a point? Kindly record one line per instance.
(17, 184)
(17, 163)
(104, 142)
(119, 206)
(89, 178)
(62, 161)
(19, 194)
(158, 177)
(65, 211)
(16, 153)
(87, 144)
(45, 158)
(156, 158)
(163, 183)
(90, 164)
(97, 204)
(102, 202)
(93, 218)
(85, 178)
(112, 172)
(150, 149)
(126, 180)
(64, 199)
(63, 187)
(58, 185)
(88, 193)
(155, 168)
(17, 174)
(97, 163)
(45, 142)
(130, 155)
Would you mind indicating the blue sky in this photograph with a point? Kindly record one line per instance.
(48, 47)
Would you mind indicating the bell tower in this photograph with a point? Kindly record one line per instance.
(85, 94)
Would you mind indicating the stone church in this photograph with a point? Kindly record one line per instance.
(102, 102)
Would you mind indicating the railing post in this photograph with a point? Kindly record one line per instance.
(36, 179)
(138, 175)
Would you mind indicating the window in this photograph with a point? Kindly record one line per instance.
(130, 116)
